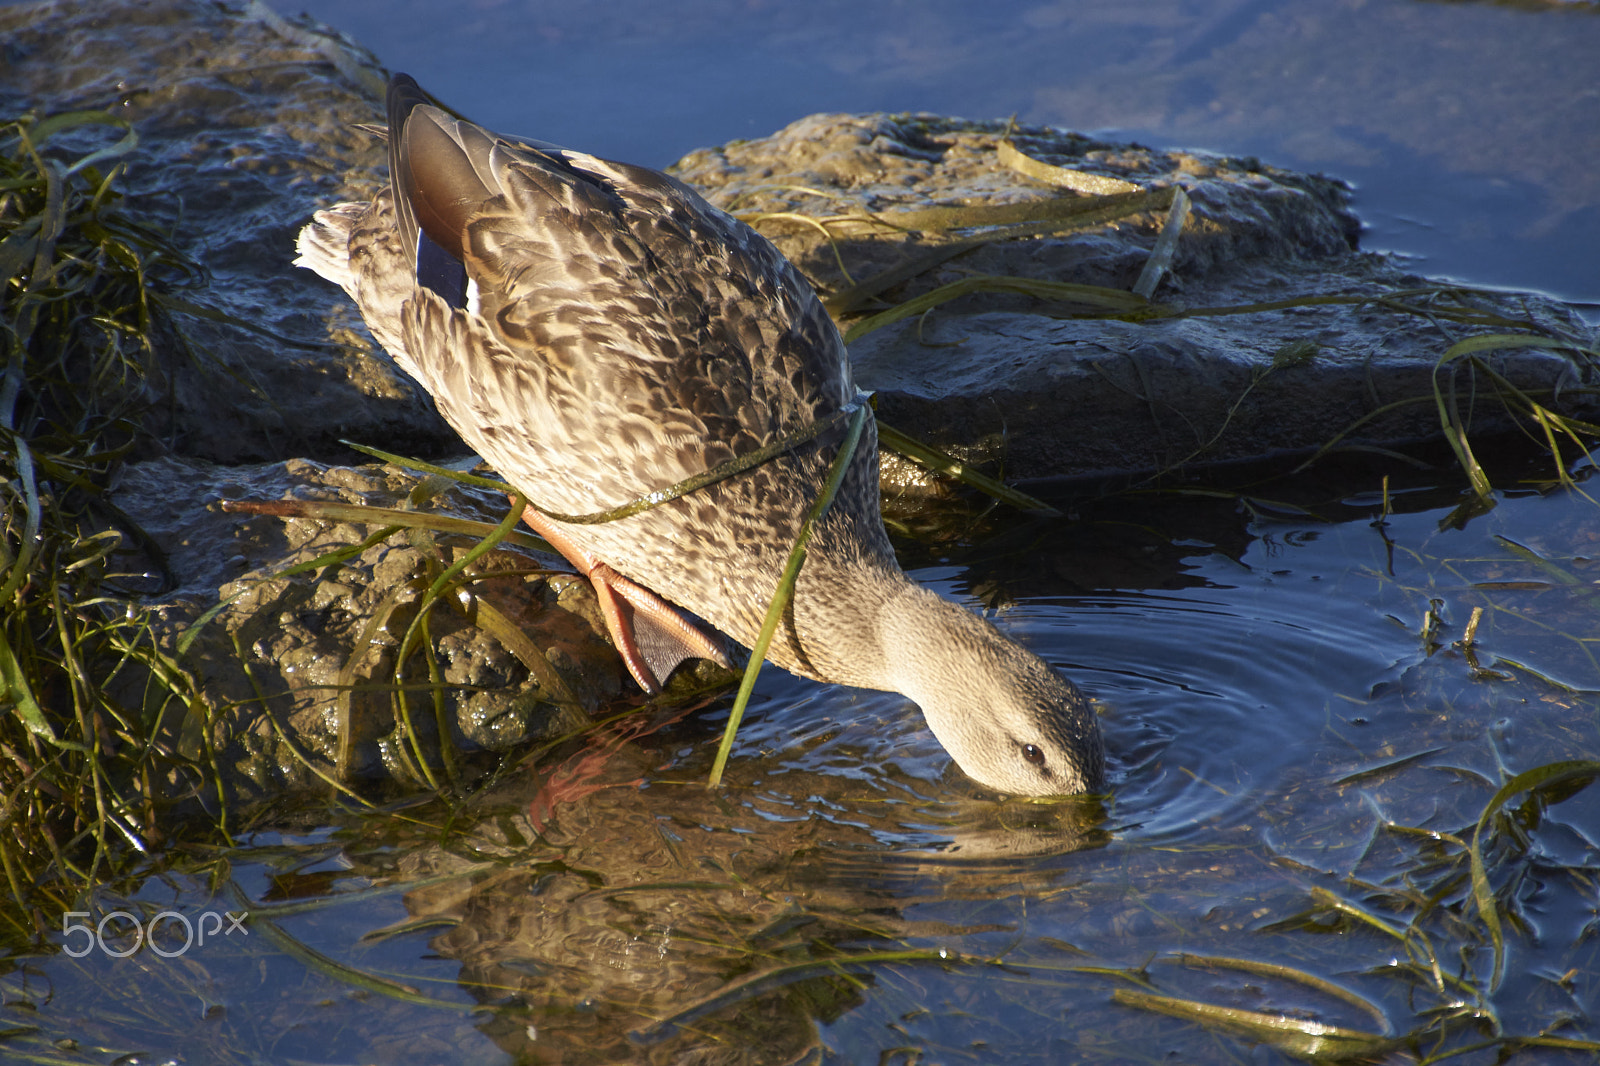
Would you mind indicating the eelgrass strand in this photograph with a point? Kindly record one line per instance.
(288, 741)
(395, 518)
(748, 987)
(1078, 181)
(317, 962)
(785, 589)
(917, 451)
(1483, 895)
(942, 463)
(1298, 1036)
(1290, 973)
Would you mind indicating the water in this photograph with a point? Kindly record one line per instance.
(1469, 129)
(1272, 710)
(1278, 723)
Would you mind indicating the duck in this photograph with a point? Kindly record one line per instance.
(597, 332)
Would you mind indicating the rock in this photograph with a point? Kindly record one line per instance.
(1055, 394)
(246, 126)
(298, 670)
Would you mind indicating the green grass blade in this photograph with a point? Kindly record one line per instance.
(1327, 899)
(785, 589)
(747, 988)
(1289, 973)
(1455, 431)
(393, 518)
(314, 960)
(21, 566)
(1076, 180)
(1100, 298)
(941, 463)
(192, 631)
(1166, 246)
(20, 693)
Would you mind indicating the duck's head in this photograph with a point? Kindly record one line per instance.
(1007, 718)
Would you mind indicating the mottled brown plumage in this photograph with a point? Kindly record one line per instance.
(597, 331)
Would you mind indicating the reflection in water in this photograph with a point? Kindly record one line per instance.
(675, 916)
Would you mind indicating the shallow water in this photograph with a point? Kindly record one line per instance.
(1271, 710)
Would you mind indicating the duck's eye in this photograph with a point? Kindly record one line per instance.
(1032, 753)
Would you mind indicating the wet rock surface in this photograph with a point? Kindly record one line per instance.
(247, 125)
(303, 668)
(1014, 379)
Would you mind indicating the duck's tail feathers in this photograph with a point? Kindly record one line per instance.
(324, 244)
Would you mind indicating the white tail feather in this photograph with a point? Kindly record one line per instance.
(324, 244)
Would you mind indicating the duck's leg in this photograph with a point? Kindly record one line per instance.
(650, 634)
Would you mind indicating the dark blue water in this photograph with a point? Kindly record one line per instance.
(1469, 129)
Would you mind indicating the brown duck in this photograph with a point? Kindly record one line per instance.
(598, 332)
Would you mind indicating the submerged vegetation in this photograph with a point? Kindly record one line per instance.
(1439, 918)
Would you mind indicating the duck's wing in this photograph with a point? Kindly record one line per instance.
(598, 330)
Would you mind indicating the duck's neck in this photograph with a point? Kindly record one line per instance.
(839, 611)
(891, 634)
(913, 641)
(1009, 720)
(932, 649)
